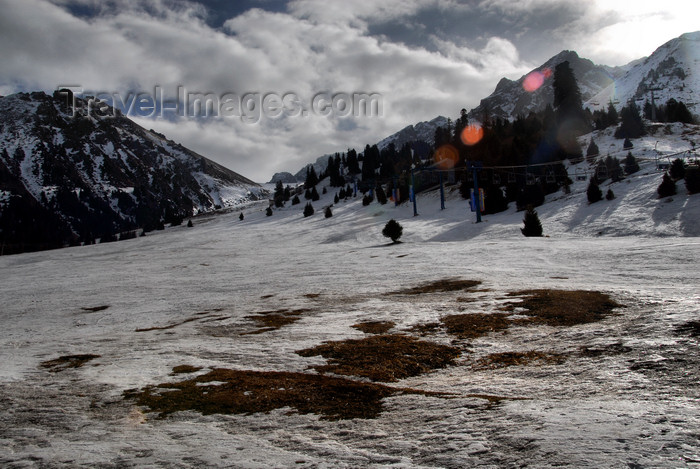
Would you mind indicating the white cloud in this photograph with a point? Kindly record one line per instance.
(134, 44)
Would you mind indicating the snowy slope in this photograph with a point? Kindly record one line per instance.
(673, 70)
(185, 296)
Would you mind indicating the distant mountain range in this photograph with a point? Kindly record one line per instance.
(672, 71)
(68, 179)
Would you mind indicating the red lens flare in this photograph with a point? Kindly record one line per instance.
(446, 157)
(534, 80)
(472, 134)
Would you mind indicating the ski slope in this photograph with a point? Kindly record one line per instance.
(184, 297)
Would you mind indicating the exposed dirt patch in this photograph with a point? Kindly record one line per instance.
(563, 307)
(273, 320)
(223, 391)
(691, 328)
(183, 369)
(312, 295)
(505, 359)
(94, 309)
(444, 285)
(383, 358)
(374, 327)
(473, 325)
(68, 361)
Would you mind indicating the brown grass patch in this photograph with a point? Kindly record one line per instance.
(444, 285)
(505, 359)
(183, 369)
(374, 327)
(68, 361)
(564, 307)
(223, 391)
(471, 326)
(383, 357)
(273, 320)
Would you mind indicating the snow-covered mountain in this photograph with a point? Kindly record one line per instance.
(65, 178)
(511, 98)
(672, 71)
(422, 131)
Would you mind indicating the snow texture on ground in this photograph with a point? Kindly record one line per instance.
(626, 396)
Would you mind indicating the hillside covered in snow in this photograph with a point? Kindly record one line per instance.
(67, 176)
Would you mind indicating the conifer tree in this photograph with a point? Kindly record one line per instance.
(609, 195)
(342, 193)
(336, 199)
(612, 114)
(328, 213)
(631, 165)
(381, 195)
(295, 200)
(593, 193)
(677, 169)
(631, 125)
(667, 187)
(692, 179)
(279, 194)
(567, 101)
(533, 226)
(240, 217)
(314, 194)
(268, 212)
(627, 144)
(308, 210)
(392, 230)
(592, 149)
(190, 224)
(311, 177)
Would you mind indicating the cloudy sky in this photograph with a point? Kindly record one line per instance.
(423, 58)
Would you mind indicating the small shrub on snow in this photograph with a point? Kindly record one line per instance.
(392, 230)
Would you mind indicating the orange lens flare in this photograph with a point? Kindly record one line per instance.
(472, 134)
(446, 157)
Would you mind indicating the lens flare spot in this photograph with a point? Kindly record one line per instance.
(534, 80)
(472, 134)
(446, 157)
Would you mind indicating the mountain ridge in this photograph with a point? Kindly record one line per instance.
(90, 176)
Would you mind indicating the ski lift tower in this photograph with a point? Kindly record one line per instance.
(653, 106)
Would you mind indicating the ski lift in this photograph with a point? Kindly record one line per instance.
(530, 179)
(496, 179)
(512, 178)
(581, 175)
